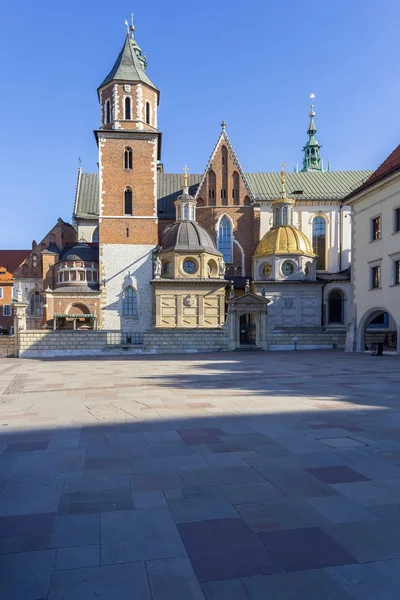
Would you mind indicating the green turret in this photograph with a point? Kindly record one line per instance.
(312, 160)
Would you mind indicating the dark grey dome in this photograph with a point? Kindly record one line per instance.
(187, 236)
(81, 251)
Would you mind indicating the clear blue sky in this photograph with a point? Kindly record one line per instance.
(251, 63)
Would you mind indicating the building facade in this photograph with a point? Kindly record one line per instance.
(376, 259)
(121, 264)
(9, 262)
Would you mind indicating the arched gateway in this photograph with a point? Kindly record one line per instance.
(247, 321)
(377, 325)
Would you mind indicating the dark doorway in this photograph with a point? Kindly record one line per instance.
(247, 330)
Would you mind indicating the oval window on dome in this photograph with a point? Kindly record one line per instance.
(287, 268)
(267, 270)
(189, 266)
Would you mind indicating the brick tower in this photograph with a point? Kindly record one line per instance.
(129, 146)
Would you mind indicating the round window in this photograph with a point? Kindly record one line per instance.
(189, 266)
(287, 268)
(267, 270)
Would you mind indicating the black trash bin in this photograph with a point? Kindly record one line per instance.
(377, 349)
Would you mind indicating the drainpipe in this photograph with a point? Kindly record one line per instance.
(340, 235)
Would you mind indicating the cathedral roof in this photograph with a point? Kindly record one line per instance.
(130, 65)
(320, 185)
(284, 239)
(81, 251)
(187, 236)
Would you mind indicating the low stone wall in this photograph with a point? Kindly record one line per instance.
(47, 344)
(312, 338)
(372, 337)
(7, 346)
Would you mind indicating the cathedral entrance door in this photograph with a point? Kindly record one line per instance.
(247, 330)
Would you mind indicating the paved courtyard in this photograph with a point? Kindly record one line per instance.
(237, 476)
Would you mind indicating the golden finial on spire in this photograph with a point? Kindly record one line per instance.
(283, 177)
(185, 176)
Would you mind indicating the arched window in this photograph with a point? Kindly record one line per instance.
(225, 239)
(148, 113)
(128, 201)
(128, 158)
(319, 241)
(129, 308)
(336, 307)
(186, 212)
(235, 187)
(128, 115)
(211, 187)
(224, 160)
(95, 236)
(285, 215)
(247, 201)
(108, 112)
(36, 303)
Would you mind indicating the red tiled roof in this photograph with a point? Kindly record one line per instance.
(11, 259)
(390, 164)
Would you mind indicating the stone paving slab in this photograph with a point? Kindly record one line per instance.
(200, 477)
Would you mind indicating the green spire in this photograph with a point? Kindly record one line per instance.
(131, 64)
(312, 160)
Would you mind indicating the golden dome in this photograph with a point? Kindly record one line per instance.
(285, 239)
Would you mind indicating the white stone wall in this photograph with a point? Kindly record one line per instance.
(85, 229)
(124, 265)
(292, 305)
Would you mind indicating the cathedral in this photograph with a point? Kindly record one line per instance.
(149, 250)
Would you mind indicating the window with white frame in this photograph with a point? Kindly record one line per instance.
(7, 312)
(36, 303)
(128, 110)
(107, 116)
(1, 292)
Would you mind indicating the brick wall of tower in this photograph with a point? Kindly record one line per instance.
(139, 94)
(115, 179)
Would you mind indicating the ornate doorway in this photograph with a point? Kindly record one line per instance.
(247, 321)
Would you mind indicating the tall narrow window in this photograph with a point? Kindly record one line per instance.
(225, 239)
(211, 188)
(335, 307)
(396, 274)
(285, 215)
(95, 236)
(36, 304)
(108, 112)
(148, 113)
(128, 158)
(319, 241)
(376, 277)
(128, 108)
(128, 201)
(129, 308)
(235, 187)
(186, 212)
(375, 229)
(396, 219)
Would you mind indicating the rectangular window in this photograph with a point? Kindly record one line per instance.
(1, 292)
(396, 219)
(7, 312)
(376, 228)
(375, 277)
(396, 278)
